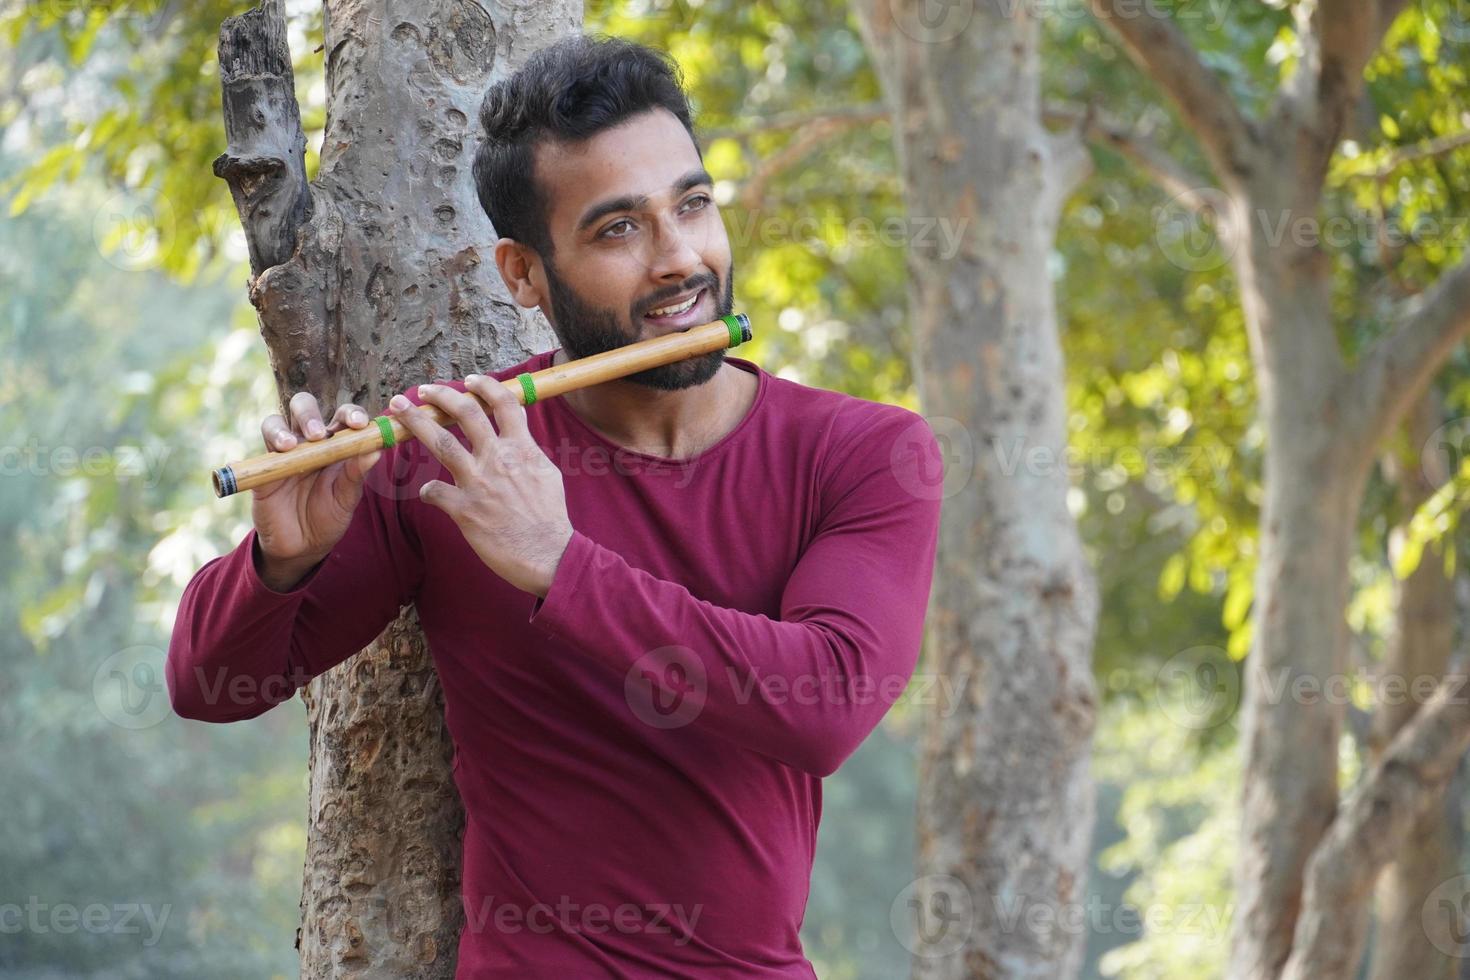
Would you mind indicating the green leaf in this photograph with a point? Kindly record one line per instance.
(1171, 579)
(1237, 602)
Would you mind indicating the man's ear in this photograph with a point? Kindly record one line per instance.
(517, 263)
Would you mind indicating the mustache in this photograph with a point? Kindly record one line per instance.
(659, 299)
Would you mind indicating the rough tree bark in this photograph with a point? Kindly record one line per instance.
(1420, 646)
(1325, 420)
(373, 277)
(1005, 808)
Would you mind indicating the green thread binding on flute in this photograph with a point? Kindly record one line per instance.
(735, 332)
(528, 387)
(385, 426)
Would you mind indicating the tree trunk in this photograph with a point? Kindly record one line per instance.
(1313, 488)
(374, 277)
(1420, 646)
(1005, 808)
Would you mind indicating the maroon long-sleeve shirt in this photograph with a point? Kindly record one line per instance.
(639, 753)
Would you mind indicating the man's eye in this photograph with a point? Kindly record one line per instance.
(702, 200)
(608, 231)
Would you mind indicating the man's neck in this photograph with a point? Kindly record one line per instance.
(672, 424)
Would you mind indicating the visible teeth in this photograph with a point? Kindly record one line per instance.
(682, 307)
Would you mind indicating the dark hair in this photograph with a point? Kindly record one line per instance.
(568, 91)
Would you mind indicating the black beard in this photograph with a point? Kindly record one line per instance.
(585, 330)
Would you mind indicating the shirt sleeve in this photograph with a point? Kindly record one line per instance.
(806, 688)
(239, 648)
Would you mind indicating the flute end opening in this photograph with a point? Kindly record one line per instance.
(224, 481)
(744, 322)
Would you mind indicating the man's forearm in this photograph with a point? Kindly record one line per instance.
(229, 656)
(804, 689)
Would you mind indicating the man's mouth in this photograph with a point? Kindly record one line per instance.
(680, 314)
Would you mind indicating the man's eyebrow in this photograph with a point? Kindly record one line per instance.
(692, 179)
(635, 202)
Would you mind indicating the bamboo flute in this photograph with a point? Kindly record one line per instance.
(584, 372)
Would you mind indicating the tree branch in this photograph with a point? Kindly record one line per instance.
(265, 159)
(1136, 145)
(881, 38)
(1343, 34)
(1428, 149)
(1395, 370)
(1071, 164)
(1163, 53)
(863, 112)
(1337, 37)
(1369, 829)
(812, 134)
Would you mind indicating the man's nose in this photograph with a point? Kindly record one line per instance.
(676, 251)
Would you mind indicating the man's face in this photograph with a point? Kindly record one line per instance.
(635, 229)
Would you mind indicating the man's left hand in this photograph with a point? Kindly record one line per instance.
(507, 497)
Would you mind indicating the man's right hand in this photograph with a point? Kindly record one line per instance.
(300, 519)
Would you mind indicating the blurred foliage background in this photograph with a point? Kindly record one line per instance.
(131, 363)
